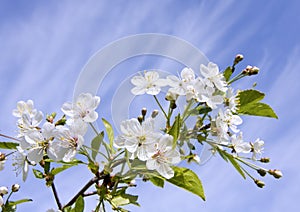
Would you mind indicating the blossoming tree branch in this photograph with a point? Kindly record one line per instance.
(211, 116)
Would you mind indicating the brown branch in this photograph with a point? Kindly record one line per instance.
(9, 137)
(84, 188)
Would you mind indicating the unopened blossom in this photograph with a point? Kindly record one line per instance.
(138, 138)
(3, 190)
(257, 148)
(2, 161)
(20, 163)
(15, 187)
(213, 76)
(83, 108)
(238, 145)
(164, 157)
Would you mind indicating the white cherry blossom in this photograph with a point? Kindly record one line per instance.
(150, 83)
(137, 138)
(257, 148)
(69, 139)
(83, 108)
(20, 163)
(238, 145)
(181, 86)
(213, 76)
(164, 157)
(29, 118)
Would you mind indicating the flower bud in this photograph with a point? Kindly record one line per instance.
(2, 157)
(276, 173)
(144, 112)
(3, 190)
(15, 187)
(259, 183)
(154, 113)
(238, 58)
(250, 70)
(262, 172)
(140, 119)
(265, 160)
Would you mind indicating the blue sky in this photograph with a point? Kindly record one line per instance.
(45, 44)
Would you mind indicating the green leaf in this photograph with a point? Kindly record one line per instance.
(188, 180)
(38, 174)
(138, 164)
(157, 181)
(249, 104)
(57, 170)
(95, 145)
(175, 129)
(79, 204)
(227, 73)
(235, 164)
(12, 203)
(8, 145)
(121, 198)
(110, 134)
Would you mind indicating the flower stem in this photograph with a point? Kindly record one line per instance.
(160, 107)
(59, 205)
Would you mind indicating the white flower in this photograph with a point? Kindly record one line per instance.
(36, 142)
(84, 107)
(180, 86)
(206, 94)
(164, 157)
(257, 148)
(29, 118)
(232, 100)
(24, 107)
(138, 138)
(150, 83)
(239, 146)
(211, 73)
(68, 140)
(20, 163)
(229, 119)
(3, 190)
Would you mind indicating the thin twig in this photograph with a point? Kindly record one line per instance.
(56, 196)
(9, 137)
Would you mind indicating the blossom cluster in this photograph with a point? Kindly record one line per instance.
(143, 142)
(61, 140)
(211, 90)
